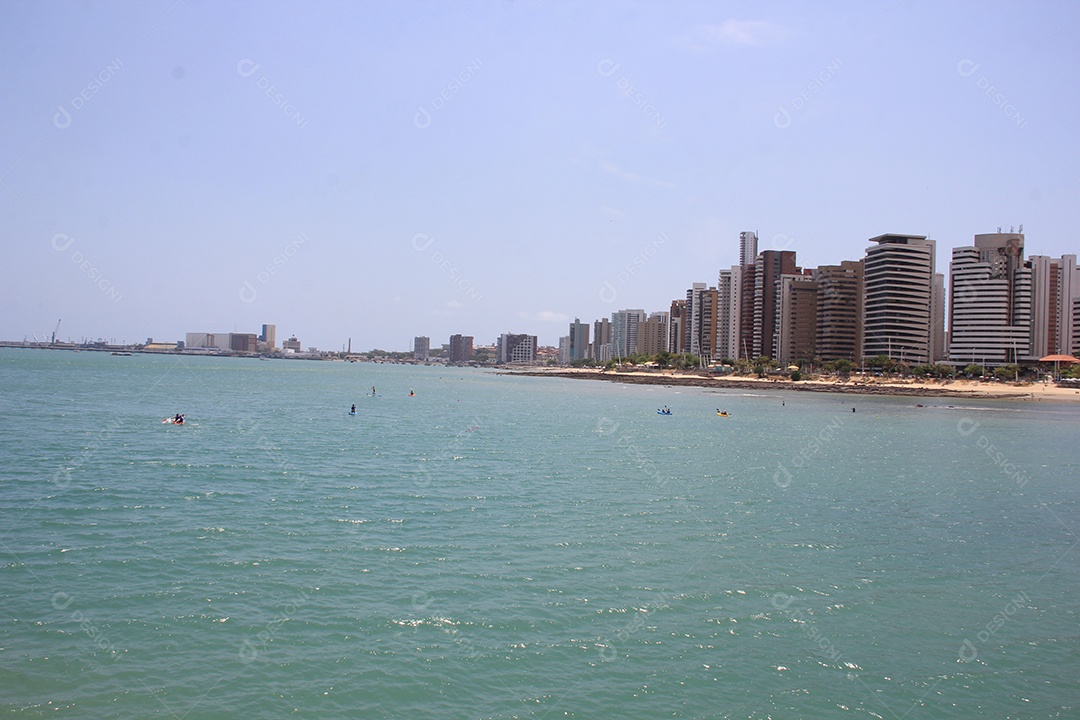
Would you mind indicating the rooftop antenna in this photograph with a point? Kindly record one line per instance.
(1021, 228)
(1011, 229)
(999, 229)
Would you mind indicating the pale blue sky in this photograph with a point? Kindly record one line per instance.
(433, 168)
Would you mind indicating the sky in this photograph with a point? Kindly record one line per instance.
(375, 171)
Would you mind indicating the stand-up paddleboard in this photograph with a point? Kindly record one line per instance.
(352, 412)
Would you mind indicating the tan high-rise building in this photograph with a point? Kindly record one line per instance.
(268, 336)
(653, 334)
(1055, 284)
(839, 318)
(602, 340)
(796, 336)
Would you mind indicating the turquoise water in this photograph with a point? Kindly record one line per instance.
(511, 547)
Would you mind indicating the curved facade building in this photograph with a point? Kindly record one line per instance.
(899, 299)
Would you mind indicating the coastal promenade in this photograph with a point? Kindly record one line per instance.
(856, 385)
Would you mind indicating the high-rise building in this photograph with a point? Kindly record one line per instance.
(729, 313)
(839, 314)
(564, 350)
(653, 334)
(1070, 293)
(602, 340)
(676, 326)
(268, 336)
(771, 265)
(516, 348)
(1075, 347)
(624, 332)
(699, 330)
(796, 327)
(747, 289)
(1055, 283)
(898, 302)
(747, 247)
(461, 348)
(938, 336)
(421, 347)
(990, 301)
(579, 341)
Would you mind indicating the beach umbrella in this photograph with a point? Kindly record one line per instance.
(1056, 359)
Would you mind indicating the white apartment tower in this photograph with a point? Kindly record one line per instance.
(990, 301)
(729, 312)
(899, 299)
(747, 247)
(624, 332)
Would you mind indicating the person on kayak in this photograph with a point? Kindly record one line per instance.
(353, 408)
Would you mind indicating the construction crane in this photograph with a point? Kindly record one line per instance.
(56, 331)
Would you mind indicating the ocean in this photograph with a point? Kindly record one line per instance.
(522, 547)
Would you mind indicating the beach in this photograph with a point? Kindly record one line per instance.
(858, 385)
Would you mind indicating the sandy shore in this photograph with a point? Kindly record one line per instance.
(869, 386)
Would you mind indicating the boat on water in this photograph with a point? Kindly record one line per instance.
(722, 414)
(664, 411)
(173, 421)
(122, 354)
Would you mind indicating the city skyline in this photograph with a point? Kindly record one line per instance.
(435, 169)
(745, 314)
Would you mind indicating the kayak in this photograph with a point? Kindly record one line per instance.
(722, 415)
(172, 421)
(661, 412)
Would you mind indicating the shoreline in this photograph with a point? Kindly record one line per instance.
(973, 390)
